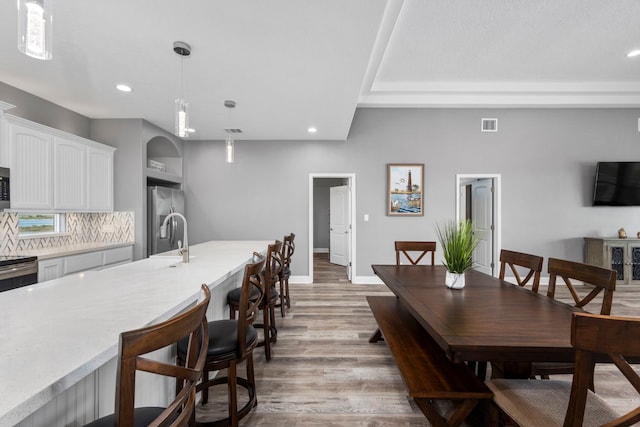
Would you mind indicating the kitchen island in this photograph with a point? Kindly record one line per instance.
(60, 337)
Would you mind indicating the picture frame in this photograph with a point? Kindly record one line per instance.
(405, 184)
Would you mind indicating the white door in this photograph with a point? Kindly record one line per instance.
(339, 205)
(482, 217)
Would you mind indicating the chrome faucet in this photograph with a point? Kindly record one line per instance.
(182, 250)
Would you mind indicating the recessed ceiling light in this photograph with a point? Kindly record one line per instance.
(123, 88)
(633, 53)
(312, 130)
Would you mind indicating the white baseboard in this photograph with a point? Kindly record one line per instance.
(300, 280)
(367, 280)
(320, 250)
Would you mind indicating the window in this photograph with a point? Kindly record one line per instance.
(40, 224)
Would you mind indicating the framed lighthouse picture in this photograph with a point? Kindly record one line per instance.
(405, 182)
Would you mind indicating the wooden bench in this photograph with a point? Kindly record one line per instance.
(427, 372)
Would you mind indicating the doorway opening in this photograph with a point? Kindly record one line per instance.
(478, 199)
(332, 225)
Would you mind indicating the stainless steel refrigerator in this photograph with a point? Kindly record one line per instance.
(161, 201)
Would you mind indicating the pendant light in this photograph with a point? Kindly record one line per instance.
(181, 106)
(228, 142)
(35, 25)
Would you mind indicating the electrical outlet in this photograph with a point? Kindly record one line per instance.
(108, 228)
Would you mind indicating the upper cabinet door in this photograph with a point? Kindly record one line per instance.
(70, 169)
(99, 179)
(31, 168)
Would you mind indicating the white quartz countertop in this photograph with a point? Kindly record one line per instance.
(56, 332)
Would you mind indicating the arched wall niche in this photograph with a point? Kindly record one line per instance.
(164, 156)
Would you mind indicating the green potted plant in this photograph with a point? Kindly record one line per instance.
(458, 242)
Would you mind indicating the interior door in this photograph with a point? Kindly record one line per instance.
(339, 225)
(482, 217)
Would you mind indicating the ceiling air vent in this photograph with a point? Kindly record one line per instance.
(233, 130)
(489, 125)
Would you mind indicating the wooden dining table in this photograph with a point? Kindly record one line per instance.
(488, 320)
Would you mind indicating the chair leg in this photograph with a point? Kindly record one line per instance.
(251, 379)
(273, 332)
(266, 328)
(233, 394)
(286, 288)
(282, 298)
(205, 391)
(232, 312)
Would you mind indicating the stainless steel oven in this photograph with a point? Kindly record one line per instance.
(17, 271)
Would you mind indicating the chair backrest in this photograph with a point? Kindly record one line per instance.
(602, 280)
(273, 266)
(288, 248)
(248, 308)
(611, 335)
(516, 260)
(137, 343)
(415, 251)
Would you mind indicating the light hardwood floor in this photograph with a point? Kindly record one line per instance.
(325, 373)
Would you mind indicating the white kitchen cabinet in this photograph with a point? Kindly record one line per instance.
(117, 256)
(31, 167)
(70, 170)
(49, 269)
(99, 179)
(82, 262)
(53, 268)
(56, 171)
(5, 152)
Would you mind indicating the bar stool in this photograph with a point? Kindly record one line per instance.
(274, 265)
(191, 326)
(231, 342)
(288, 248)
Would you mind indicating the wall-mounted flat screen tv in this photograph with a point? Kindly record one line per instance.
(617, 184)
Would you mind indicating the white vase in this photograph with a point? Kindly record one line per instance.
(454, 280)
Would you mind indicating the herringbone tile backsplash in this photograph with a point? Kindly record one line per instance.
(113, 227)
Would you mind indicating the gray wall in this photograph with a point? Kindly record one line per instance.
(131, 136)
(41, 111)
(129, 187)
(546, 158)
(321, 205)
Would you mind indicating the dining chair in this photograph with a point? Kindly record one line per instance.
(602, 279)
(597, 280)
(231, 342)
(191, 326)
(288, 248)
(518, 262)
(413, 251)
(273, 267)
(572, 403)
